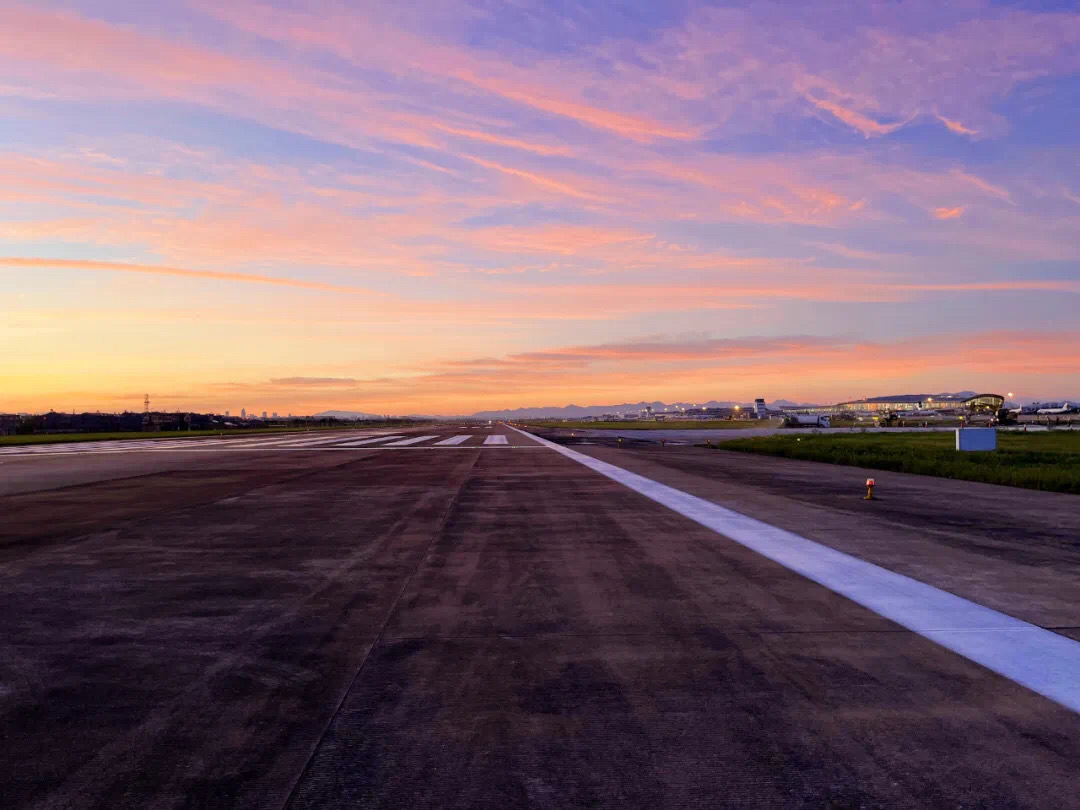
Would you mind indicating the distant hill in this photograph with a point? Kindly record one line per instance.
(942, 396)
(348, 415)
(578, 411)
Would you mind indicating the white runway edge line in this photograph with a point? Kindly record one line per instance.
(1041, 660)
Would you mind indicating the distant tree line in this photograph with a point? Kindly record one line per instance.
(129, 421)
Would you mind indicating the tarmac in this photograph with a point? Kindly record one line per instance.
(487, 625)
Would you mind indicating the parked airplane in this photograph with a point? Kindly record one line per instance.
(1049, 411)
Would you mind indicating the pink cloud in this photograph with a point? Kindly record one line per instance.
(534, 178)
(865, 125)
(503, 140)
(957, 127)
(628, 126)
(364, 40)
(1026, 285)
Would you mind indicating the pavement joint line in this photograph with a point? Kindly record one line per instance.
(435, 534)
(1043, 661)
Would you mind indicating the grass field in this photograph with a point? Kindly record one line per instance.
(700, 424)
(52, 438)
(1049, 461)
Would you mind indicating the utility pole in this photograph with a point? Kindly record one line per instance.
(146, 404)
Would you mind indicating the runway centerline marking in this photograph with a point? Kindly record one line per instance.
(453, 440)
(496, 439)
(1039, 659)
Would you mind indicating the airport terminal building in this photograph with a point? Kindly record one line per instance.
(923, 402)
(900, 403)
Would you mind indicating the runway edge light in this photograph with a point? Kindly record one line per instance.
(869, 489)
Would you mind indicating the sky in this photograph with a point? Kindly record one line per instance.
(440, 207)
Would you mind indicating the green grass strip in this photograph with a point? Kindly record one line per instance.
(1047, 461)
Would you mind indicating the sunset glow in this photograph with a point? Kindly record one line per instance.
(446, 207)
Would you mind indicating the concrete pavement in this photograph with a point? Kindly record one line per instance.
(494, 626)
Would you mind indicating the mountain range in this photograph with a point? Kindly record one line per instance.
(348, 415)
(578, 411)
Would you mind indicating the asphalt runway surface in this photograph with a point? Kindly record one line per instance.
(427, 620)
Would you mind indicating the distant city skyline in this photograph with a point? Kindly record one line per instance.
(489, 206)
(749, 405)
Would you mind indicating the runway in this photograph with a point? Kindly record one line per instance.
(425, 620)
(321, 440)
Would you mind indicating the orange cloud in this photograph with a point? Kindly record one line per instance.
(807, 368)
(949, 213)
(687, 369)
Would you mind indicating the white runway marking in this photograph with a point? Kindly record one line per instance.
(268, 442)
(87, 447)
(362, 442)
(295, 441)
(407, 442)
(257, 444)
(453, 440)
(1041, 660)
